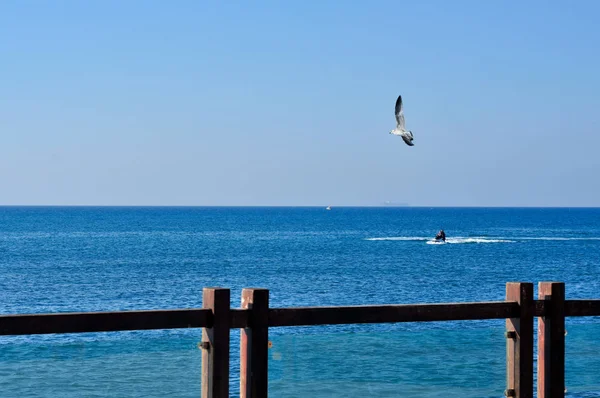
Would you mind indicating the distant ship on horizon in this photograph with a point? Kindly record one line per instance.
(397, 204)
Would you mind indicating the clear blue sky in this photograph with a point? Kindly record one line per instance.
(291, 103)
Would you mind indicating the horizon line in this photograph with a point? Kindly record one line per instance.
(314, 206)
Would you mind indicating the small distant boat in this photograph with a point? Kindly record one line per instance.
(440, 236)
(328, 208)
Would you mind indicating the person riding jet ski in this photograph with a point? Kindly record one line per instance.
(441, 236)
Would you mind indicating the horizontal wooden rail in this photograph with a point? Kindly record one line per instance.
(309, 316)
(312, 316)
(582, 307)
(240, 318)
(81, 322)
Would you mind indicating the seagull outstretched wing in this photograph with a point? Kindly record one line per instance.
(399, 113)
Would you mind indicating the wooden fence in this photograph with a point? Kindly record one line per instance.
(255, 317)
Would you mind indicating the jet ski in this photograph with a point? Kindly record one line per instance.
(440, 236)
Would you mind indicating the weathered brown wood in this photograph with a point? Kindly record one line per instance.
(215, 344)
(519, 341)
(582, 307)
(539, 308)
(82, 322)
(254, 345)
(551, 341)
(239, 318)
(391, 313)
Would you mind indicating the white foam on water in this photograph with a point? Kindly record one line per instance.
(460, 240)
(457, 240)
(435, 242)
(405, 238)
(481, 239)
(557, 238)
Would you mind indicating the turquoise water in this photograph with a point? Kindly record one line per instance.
(101, 259)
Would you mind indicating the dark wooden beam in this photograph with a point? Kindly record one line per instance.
(582, 308)
(551, 341)
(254, 345)
(392, 313)
(519, 342)
(82, 322)
(215, 344)
(539, 308)
(239, 318)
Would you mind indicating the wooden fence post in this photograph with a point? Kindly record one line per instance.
(254, 345)
(519, 342)
(215, 344)
(551, 341)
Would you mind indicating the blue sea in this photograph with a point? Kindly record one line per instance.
(63, 259)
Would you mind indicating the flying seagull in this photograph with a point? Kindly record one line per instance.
(400, 130)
